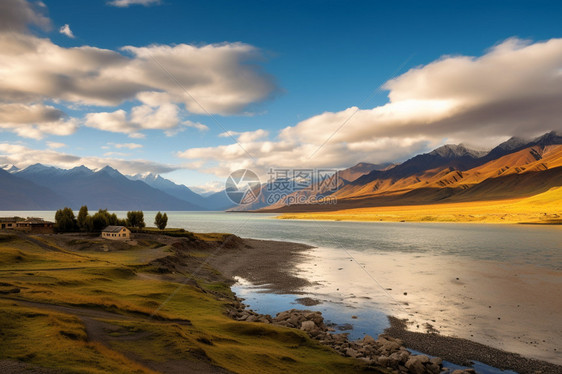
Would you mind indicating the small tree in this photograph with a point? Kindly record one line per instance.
(136, 219)
(65, 220)
(161, 220)
(100, 221)
(83, 218)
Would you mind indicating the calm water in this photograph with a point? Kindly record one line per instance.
(517, 244)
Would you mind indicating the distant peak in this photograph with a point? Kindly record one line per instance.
(513, 143)
(454, 151)
(35, 168)
(10, 168)
(151, 176)
(81, 167)
(549, 138)
(80, 170)
(146, 177)
(109, 170)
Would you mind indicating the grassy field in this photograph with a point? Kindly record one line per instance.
(545, 208)
(89, 306)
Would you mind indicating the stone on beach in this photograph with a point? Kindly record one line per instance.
(384, 351)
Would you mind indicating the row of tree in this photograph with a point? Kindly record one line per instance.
(65, 221)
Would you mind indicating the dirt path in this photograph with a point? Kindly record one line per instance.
(37, 242)
(98, 328)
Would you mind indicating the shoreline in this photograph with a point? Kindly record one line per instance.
(543, 208)
(463, 351)
(296, 217)
(282, 280)
(335, 217)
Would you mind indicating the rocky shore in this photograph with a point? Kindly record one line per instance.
(384, 351)
(271, 265)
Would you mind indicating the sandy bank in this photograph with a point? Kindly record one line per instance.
(264, 263)
(544, 208)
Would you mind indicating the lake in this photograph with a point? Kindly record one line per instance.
(515, 244)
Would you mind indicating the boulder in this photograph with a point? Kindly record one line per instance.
(433, 368)
(383, 361)
(437, 361)
(415, 366)
(308, 326)
(367, 339)
(351, 352)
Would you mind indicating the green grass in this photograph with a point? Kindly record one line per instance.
(191, 325)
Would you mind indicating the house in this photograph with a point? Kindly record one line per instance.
(35, 225)
(116, 233)
(8, 222)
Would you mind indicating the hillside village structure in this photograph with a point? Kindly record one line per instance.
(30, 224)
(116, 233)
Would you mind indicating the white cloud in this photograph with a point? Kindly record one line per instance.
(56, 145)
(16, 15)
(127, 3)
(515, 88)
(196, 125)
(209, 187)
(116, 154)
(142, 117)
(169, 81)
(35, 120)
(22, 156)
(246, 136)
(65, 30)
(125, 145)
(217, 76)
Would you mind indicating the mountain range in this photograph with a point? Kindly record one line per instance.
(451, 173)
(40, 187)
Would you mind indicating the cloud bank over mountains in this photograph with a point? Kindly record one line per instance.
(515, 88)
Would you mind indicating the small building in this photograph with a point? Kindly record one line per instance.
(35, 225)
(116, 233)
(8, 222)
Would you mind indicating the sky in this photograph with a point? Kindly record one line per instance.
(194, 90)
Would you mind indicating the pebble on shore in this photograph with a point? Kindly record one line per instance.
(384, 351)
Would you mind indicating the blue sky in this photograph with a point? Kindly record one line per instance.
(309, 66)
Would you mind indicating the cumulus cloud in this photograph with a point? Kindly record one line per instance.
(142, 117)
(35, 120)
(169, 81)
(55, 145)
(212, 79)
(23, 156)
(246, 136)
(65, 30)
(196, 125)
(515, 88)
(209, 187)
(127, 3)
(17, 15)
(126, 145)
